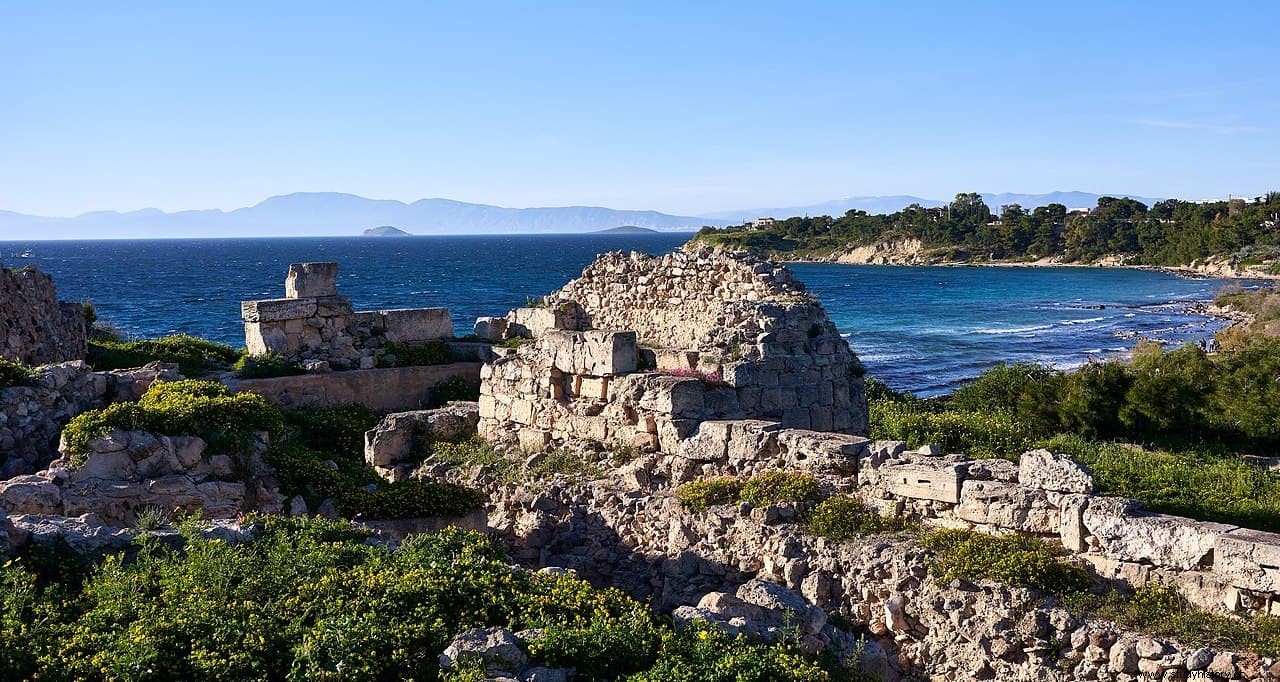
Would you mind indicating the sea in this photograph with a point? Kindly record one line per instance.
(921, 329)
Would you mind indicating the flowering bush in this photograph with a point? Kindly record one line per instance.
(845, 517)
(194, 356)
(15, 374)
(715, 378)
(309, 599)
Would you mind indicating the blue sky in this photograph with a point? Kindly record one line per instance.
(668, 106)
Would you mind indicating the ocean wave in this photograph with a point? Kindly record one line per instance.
(1089, 320)
(1012, 330)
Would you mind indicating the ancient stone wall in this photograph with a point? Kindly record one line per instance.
(628, 530)
(36, 328)
(719, 335)
(32, 417)
(314, 326)
(387, 389)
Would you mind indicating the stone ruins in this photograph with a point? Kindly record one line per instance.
(639, 350)
(35, 327)
(316, 327)
(651, 373)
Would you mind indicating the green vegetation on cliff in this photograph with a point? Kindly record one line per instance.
(194, 356)
(309, 599)
(1169, 233)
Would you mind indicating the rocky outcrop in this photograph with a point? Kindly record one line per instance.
(32, 417)
(127, 472)
(902, 251)
(35, 327)
(395, 447)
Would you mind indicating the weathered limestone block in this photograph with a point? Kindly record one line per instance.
(534, 322)
(673, 395)
(307, 280)
(417, 324)
(278, 309)
(926, 482)
(1249, 559)
(490, 328)
(497, 650)
(1007, 506)
(834, 454)
(1126, 534)
(1071, 528)
(1044, 470)
(396, 438)
(30, 495)
(596, 353)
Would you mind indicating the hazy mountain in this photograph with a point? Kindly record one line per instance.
(333, 214)
(627, 229)
(386, 231)
(890, 204)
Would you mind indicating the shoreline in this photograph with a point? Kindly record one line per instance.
(1184, 271)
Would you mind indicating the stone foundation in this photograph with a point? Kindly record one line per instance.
(392, 389)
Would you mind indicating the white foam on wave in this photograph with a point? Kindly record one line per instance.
(1088, 320)
(1012, 330)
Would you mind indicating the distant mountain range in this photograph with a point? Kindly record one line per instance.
(335, 214)
(890, 204)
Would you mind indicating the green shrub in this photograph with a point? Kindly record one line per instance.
(266, 366)
(1012, 559)
(227, 422)
(16, 374)
(416, 355)
(337, 430)
(703, 652)
(194, 356)
(452, 389)
(977, 434)
(999, 388)
(845, 517)
(773, 487)
(309, 599)
(701, 495)
(513, 342)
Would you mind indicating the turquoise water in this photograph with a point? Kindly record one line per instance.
(924, 329)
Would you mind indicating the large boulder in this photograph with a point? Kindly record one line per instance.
(497, 649)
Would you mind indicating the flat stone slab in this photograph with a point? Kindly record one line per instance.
(1170, 541)
(924, 482)
(1249, 559)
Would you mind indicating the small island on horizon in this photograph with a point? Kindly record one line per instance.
(626, 229)
(386, 231)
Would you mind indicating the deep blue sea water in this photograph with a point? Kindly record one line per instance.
(923, 329)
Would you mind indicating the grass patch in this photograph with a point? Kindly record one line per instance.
(772, 487)
(194, 356)
(1011, 559)
(16, 374)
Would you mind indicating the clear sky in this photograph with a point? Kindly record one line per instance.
(681, 107)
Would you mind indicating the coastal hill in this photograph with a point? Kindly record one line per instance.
(386, 231)
(890, 204)
(627, 229)
(1221, 238)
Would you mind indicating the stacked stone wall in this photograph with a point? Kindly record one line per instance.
(315, 326)
(36, 328)
(32, 417)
